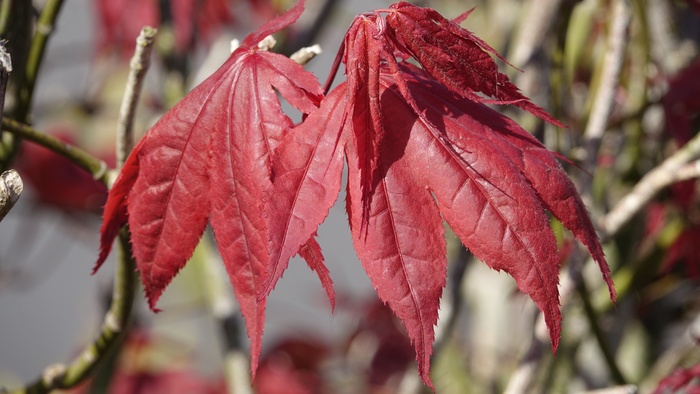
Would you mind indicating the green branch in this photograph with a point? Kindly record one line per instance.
(114, 327)
(43, 30)
(96, 167)
(113, 330)
(25, 90)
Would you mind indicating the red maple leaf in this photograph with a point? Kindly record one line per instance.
(492, 180)
(421, 146)
(209, 158)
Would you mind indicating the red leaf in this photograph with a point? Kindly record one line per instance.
(402, 246)
(363, 48)
(307, 174)
(479, 191)
(455, 57)
(536, 163)
(115, 210)
(311, 252)
(506, 179)
(210, 157)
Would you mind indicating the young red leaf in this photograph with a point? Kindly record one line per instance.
(115, 212)
(402, 246)
(274, 25)
(455, 57)
(417, 150)
(210, 158)
(363, 49)
(311, 253)
(307, 173)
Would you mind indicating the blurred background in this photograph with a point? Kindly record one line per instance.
(51, 307)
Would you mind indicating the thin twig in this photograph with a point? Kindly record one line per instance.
(11, 185)
(59, 376)
(600, 113)
(5, 70)
(673, 169)
(96, 167)
(593, 136)
(597, 331)
(605, 97)
(532, 36)
(114, 327)
(44, 28)
(138, 67)
(304, 55)
(626, 389)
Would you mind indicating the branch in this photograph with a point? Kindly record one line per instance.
(44, 28)
(10, 183)
(532, 36)
(119, 314)
(612, 64)
(676, 168)
(96, 167)
(305, 54)
(25, 91)
(138, 67)
(59, 376)
(594, 326)
(600, 113)
(5, 70)
(11, 187)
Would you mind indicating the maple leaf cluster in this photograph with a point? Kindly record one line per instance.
(421, 147)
